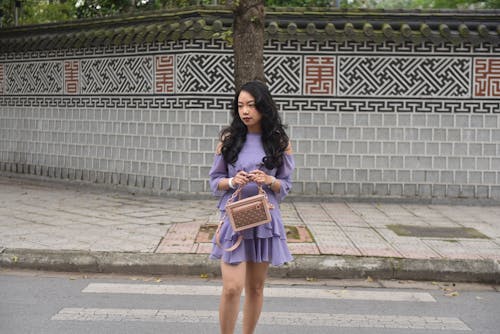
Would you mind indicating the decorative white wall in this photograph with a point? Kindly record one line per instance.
(366, 118)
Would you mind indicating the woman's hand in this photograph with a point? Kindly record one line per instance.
(260, 177)
(241, 178)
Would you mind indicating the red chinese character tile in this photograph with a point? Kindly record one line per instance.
(319, 75)
(71, 71)
(487, 77)
(164, 67)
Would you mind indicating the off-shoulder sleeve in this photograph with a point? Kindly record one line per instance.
(284, 174)
(218, 172)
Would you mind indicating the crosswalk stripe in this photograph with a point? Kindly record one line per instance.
(276, 292)
(267, 318)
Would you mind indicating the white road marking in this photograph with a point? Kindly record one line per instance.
(276, 292)
(267, 318)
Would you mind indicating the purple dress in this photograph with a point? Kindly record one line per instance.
(264, 243)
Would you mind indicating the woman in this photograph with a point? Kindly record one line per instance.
(253, 150)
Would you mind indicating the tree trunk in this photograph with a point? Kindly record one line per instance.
(248, 41)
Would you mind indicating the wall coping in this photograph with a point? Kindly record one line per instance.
(302, 24)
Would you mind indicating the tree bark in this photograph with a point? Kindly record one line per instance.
(248, 41)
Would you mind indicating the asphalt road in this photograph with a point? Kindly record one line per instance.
(42, 302)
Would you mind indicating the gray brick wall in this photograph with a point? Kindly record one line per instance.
(353, 146)
(342, 154)
(409, 155)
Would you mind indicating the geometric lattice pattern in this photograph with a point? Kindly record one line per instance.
(125, 75)
(388, 105)
(319, 75)
(351, 47)
(71, 71)
(164, 74)
(443, 77)
(285, 103)
(487, 77)
(284, 74)
(205, 73)
(34, 78)
(355, 75)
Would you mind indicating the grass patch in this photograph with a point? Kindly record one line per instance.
(436, 232)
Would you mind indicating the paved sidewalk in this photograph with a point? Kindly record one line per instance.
(56, 225)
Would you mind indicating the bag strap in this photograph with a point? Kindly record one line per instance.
(217, 240)
(237, 193)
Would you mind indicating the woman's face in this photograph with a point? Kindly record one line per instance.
(248, 112)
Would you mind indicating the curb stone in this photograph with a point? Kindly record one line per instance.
(316, 266)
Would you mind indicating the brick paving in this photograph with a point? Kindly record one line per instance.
(69, 216)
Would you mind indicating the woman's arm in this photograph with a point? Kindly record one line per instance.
(283, 175)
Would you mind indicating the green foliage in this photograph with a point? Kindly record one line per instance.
(420, 4)
(100, 8)
(390, 4)
(300, 3)
(7, 12)
(168, 4)
(44, 11)
(457, 4)
(37, 11)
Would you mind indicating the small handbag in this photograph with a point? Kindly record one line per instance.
(245, 213)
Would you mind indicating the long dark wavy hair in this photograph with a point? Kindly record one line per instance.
(274, 137)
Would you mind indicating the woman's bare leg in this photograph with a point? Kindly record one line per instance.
(254, 295)
(233, 281)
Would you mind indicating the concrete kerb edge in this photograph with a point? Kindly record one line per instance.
(108, 262)
(452, 270)
(304, 266)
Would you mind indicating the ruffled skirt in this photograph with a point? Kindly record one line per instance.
(264, 243)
